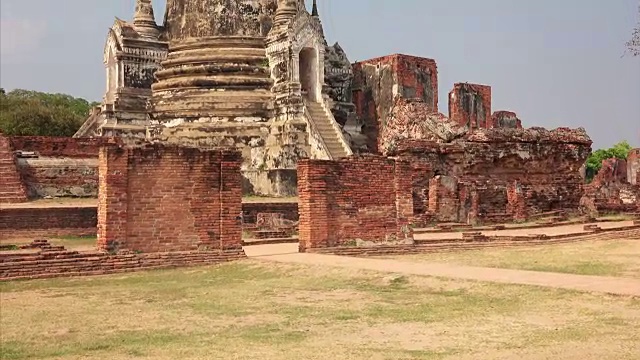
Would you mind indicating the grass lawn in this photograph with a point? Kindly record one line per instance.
(252, 310)
(602, 258)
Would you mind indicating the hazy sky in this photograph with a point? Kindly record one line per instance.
(555, 63)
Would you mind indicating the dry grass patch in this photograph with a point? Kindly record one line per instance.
(601, 258)
(249, 310)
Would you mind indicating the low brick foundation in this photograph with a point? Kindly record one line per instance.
(472, 243)
(35, 222)
(63, 263)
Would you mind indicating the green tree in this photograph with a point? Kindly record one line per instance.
(594, 162)
(32, 113)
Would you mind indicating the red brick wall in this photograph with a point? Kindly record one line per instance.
(26, 222)
(378, 82)
(160, 199)
(12, 189)
(367, 198)
(49, 177)
(470, 105)
(60, 146)
(544, 164)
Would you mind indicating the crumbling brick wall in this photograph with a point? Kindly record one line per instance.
(379, 82)
(610, 190)
(60, 147)
(504, 119)
(362, 198)
(489, 164)
(470, 105)
(59, 166)
(633, 167)
(11, 189)
(57, 177)
(165, 198)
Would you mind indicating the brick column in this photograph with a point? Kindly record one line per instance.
(517, 203)
(112, 197)
(230, 201)
(404, 198)
(312, 205)
(443, 198)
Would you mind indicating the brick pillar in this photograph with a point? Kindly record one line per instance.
(312, 205)
(404, 198)
(112, 197)
(517, 203)
(230, 201)
(474, 213)
(443, 198)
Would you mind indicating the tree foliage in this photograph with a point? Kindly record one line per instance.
(32, 113)
(594, 162)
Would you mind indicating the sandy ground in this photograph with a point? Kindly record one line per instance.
(287, 253)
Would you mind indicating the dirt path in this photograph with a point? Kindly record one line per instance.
(287, 253)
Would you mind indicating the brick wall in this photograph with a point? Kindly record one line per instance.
(45, 146)
(470, 105)
(543, 165)
(363, 198)
(12, 190)
(610, 190)
(58, 177)
(164, 198)
(60, 221)
(379, 82)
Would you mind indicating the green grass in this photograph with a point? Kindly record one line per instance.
(598, 258)
(249, 310)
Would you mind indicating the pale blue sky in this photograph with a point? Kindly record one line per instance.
(556, 63)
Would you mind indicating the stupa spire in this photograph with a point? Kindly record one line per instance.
(144, 19)
(314, 10)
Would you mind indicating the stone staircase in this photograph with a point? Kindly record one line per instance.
(90, 125)
(324, 124)
(11, 188)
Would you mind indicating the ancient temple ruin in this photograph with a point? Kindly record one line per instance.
(259, 76)
(256, 75)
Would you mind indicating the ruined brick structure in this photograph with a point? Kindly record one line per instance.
(505, 119)
(58, 166)
(496, 175)
(257, 75)
(611, 189)
(378, 82)
(165, 198)
(12, 189)
(470, 105)
(633, 167)
(357, 199)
